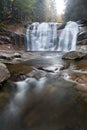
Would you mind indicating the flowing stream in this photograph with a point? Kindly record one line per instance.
(45, 100)
(45, 37)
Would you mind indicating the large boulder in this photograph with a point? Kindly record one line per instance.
(73, 55)
(4, 73)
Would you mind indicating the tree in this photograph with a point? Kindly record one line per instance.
(16, 10)
(75, 10)
(4, 8)
(53, 10)
(39, 11)
(22, 9)
(26, 10)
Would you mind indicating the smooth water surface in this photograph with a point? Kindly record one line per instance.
(43, 100)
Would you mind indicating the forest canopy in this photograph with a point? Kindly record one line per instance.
(22, 10)
(25, 10)
(75, 10)
(16, 11)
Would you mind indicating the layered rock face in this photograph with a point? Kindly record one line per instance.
(82, 35)
(12, 39)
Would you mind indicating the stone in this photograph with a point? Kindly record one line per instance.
(82, 36)
(61, 26)
(15, 38)
(81, 88)
(73, 55)
(4, 73)
(82, 42)
(53, 69)
(16, 55)
(9, 56)
(82, 22)
(5, 39)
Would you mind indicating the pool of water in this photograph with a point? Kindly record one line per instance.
(43, 100)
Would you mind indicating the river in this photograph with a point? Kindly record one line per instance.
(46, 97)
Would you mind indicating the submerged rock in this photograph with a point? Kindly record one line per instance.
(74, 55)
(4, 73)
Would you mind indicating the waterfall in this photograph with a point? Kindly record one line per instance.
(68, 37)
(44, 37)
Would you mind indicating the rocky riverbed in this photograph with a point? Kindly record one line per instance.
(44, 91)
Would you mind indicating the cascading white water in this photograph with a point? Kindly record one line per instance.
(22, 88)
(44, 37)
(16, 105)
(68, 37)
(28, 38)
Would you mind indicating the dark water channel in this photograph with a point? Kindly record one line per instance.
(45, 100)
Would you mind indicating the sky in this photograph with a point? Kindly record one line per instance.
(60, 6)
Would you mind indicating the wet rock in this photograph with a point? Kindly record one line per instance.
(52, 69)
(9, 56)
(76, 77)
(16, 76)
(73, 55)
(17, 55)
(61, 26)
(36, 73)
(82, 22)
(81, 48)
(5, 39)
(82, 42)
(4, 73)
(82, 88)
(82, 29)
(82, 36)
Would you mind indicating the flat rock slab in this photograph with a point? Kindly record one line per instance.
(17, 57)
(4, 73)
(9, 56)
(73, 55)
(52, 68)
